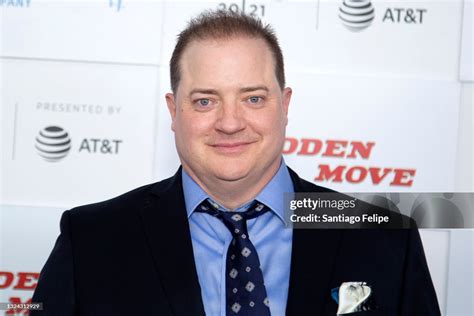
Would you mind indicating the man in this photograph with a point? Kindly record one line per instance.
(212, 239)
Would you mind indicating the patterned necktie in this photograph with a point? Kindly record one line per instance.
(245, 289)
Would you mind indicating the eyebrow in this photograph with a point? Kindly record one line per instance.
(203, 91)
(241, 90)
(254, 88)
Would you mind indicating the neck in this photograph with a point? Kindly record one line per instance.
(232, 194)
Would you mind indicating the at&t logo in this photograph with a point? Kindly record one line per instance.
(356, 15)
(53, 143)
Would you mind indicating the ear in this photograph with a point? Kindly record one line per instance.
(287, 92)
(170, 101)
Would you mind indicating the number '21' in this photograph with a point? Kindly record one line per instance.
(253, 8)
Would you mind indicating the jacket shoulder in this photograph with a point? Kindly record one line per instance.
(301, 185)
(124, 203)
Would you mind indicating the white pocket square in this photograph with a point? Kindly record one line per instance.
(352, 297)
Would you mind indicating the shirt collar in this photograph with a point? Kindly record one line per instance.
(272, 194)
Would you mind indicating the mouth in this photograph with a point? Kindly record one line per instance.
(231, 147)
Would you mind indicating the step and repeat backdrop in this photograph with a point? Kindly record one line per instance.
(382, 102)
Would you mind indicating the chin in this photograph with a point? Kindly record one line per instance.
(231, 174)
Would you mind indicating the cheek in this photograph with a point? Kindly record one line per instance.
(192, 126)
(269, 122)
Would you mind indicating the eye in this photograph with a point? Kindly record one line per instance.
(255, 99)
(203, 102)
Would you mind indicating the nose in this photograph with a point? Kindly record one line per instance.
(230, 118)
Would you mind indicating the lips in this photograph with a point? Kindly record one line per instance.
(231, 147)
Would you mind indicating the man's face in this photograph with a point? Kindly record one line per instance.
(229, 113)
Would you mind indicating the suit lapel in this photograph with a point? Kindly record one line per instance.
(167, 231)
(313, 258)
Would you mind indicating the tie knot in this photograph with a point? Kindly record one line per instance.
(235, 221)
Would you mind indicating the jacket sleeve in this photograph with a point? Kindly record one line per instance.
(418, 296)
(55, 287)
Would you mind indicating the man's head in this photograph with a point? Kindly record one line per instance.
(229, 107)
(225, 25)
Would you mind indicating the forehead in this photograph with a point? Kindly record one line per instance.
(231, 61)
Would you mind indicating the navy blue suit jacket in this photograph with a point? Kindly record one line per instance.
(132, 255)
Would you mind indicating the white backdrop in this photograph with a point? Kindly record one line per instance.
(98, 70)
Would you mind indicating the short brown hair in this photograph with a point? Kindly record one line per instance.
(222, 24)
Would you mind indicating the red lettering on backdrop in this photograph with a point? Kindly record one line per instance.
(335, 148)
(364, 150)
(24, 278)
(361, 176)
(293, 145)
(305, 147)
(358, 174)
(17, 300)
(7, 278)
(326, 174)
(401, 175)
(375, 174)
(25, 281)
(340, 149)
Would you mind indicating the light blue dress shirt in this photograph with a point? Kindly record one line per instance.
(211, 238)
